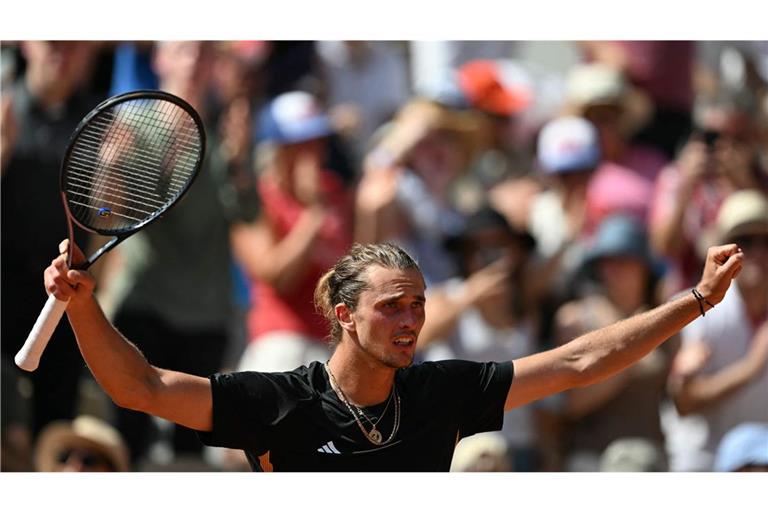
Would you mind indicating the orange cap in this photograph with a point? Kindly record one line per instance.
(481, 82)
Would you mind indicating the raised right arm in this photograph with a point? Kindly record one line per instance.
(118, 366)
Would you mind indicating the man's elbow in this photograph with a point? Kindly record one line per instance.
(581, 370)
(138, 397)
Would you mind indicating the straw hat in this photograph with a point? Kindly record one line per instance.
(743, 212)
(84, 431)
(593, 85)
(419, 117)
(486, 451)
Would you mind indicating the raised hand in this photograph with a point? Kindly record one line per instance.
(723, 263)
(64, 283)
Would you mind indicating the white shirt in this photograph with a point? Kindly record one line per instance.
(728, 333)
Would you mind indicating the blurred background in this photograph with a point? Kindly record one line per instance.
(547, 188)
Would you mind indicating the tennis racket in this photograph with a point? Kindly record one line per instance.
(128, 161)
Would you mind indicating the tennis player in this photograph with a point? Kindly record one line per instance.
(367, 408)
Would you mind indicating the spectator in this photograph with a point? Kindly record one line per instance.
(303, 228)
(500, 91)
(483, 84)
(625, 406)
(485, 315)
(568, 154)
(664, 70)
(718, 159)
(408, 189)
(367, 83)
(721, 371)
(628, 170)
(46, 104)
(85, 444)
(176, 307)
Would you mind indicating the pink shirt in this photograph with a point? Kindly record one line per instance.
(700, 215)
(296, 313)
(617, 189)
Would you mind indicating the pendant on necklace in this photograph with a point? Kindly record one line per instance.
(375, 436)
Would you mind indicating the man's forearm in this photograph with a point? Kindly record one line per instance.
(118, 366)
(609, 350)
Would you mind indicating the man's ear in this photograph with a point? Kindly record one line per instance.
(344, 317)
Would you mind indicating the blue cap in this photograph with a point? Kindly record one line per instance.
(620, 235)
(744, 445)
(291, 118)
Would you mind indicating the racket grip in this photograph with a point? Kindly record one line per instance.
(29, 356)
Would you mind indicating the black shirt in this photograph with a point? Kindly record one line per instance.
(297, 417)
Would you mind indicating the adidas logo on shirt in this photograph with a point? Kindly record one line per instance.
(329, 448)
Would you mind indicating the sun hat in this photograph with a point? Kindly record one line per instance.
(291, 118)
(486, 451)
(742, 212)
(86, 432)
(595, 84)
(420, 116)
(568, 144)
(633, 454)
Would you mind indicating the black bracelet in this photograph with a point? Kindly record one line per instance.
(700, 298)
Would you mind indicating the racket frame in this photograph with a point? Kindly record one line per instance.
(148, 94)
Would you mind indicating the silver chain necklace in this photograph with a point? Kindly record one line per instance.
(374, 436)
(383, 413)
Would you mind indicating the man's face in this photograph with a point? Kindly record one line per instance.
(389, 316)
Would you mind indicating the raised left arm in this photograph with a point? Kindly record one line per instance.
(599, 354)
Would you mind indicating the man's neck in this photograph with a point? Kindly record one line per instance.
(363, 382)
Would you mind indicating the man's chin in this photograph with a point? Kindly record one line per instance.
(396, 363)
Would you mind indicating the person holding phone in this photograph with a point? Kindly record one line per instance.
(719, 158)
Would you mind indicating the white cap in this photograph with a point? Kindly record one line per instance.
(568, 144)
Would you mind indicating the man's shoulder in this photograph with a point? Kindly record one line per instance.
(448, 369)
(302, 380)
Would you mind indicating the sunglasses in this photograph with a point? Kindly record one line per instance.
(86, 458)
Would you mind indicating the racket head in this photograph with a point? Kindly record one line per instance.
(129, 160)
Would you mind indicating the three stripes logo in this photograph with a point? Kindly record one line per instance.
(329, 448)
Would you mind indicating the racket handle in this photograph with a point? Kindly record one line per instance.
(29, 356)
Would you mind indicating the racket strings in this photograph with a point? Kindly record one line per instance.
(130, 162)
(146, 158)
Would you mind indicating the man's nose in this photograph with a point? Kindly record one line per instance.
(410, 318)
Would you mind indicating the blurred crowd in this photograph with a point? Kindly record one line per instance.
(542, 197)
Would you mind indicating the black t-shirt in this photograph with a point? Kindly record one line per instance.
(297, 417)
